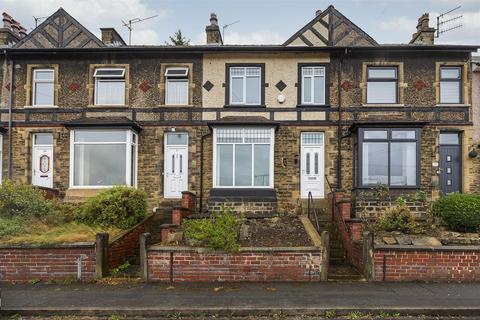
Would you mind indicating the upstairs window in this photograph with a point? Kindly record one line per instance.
(313, 85)
(245, 85)
(43, 87)
(109, 86)
(382, 84)
(450, 85)
(389, 157)
(176, 92)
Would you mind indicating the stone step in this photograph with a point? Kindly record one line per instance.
(344, 272)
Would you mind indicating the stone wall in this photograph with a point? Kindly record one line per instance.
(250, 264)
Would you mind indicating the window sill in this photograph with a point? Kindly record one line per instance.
(177, 105)
(389, 187)
(453, 105)
(383, 105)
(316, 106)
(99, 106)
(40, 107)
(245, 106)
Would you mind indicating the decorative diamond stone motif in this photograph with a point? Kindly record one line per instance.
(420, 85)
(346, 85)
(144, 86)
(7, 86)
(208, 85)
(73, 86)
(281, 85)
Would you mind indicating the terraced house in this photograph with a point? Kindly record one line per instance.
(257, 127)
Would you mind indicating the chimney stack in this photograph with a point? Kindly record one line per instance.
(11, 32)
(214, 36)
(425, 34)
(318, 12)
(112, 38)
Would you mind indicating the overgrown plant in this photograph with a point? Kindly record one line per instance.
(218, 232)
(22, 200)
(121, 207)
(459, 211)
(399, 218)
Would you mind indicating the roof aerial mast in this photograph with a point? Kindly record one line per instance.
(129, 23)
(444, 23)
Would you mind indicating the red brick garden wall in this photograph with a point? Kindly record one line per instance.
(192, 266)
(126, 246)
(22, 264)
(427, 264)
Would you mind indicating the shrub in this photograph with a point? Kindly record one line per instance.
(459, 211)
(219, 232)
(121, 207)
(399, 218)
(22, 200)
(11, 227)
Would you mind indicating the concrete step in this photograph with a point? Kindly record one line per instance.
(344, 272)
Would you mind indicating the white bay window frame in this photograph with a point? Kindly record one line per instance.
(100, 78)
(216, 167)
(1, 158)
(131, 143)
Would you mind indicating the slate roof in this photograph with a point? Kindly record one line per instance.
(101, 122)
(60, 30)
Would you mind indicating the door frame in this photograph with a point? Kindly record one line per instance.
(34, 146)
(165, 146)
(460, 157)
(300, 162)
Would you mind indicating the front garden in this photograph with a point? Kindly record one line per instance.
(27, 217)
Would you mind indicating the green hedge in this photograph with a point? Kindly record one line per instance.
(459, 211)
(22, 201)
(121, 207)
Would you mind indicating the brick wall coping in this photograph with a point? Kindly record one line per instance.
(48, 246)
(424, 248)
(126, 232)
(241, 250)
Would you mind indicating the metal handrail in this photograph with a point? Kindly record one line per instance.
(311, 209)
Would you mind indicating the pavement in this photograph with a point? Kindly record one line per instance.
(241, 299)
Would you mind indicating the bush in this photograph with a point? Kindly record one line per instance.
(399, 218)
(459, 211)
(219, 232)
(22, 200)
(11, 227)
(121, 207)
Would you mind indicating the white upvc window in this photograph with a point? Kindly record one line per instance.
(103, 158)
(450, 85)
(382, 85)
(109, 86)
(243, 157)
(313, 85)
(245, 85)
(176, 91)
(43, 87)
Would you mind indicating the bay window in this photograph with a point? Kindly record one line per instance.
(103, 158)
(109, 86)
(243, 157)
(312, 85)
(176, 92)
(245, 85)
(389, 157)
(450, 85)
(382, 85)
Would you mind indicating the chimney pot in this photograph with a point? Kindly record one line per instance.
(425, 34)
(213, 31)
(318, 12)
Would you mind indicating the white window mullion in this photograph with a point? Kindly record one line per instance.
(128, 157)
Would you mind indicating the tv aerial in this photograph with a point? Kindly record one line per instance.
(129, 24)
(225, 26)
(445, 24)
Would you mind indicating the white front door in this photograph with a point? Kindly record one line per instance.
(312, 165)
(43, 166)
(176, 165)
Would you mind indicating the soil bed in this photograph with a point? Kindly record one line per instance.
(274, 232)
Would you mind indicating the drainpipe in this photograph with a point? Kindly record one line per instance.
(10, 104)
(202, 151)
(339, 124)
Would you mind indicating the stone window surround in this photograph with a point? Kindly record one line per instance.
(91, 84)
(400, 80)
(162, 84)
(465, 83)
(29, 84)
